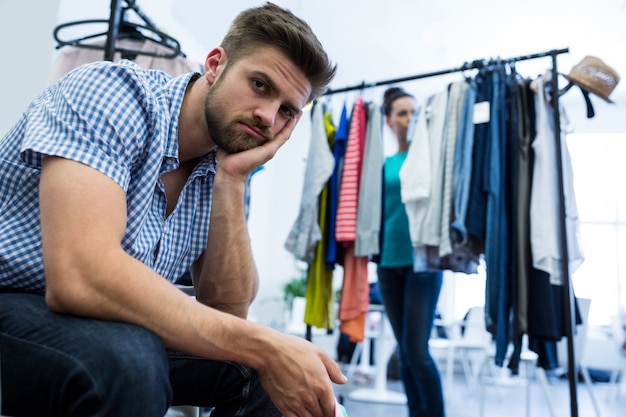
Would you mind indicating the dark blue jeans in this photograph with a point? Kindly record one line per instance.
(410, 300)
(60, 365)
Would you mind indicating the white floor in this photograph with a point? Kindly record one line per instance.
(506, 399)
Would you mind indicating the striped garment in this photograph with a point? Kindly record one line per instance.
(346, 218)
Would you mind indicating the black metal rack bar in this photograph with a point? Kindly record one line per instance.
(114, 27)
(476, 64)
(568, 293)
(116, 18)
(569, 305)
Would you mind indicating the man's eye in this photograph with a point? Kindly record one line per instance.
(259, 85)
(289, 113)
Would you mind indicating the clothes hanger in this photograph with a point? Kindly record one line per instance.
(127, 30)
(590, 111)
(467, 66)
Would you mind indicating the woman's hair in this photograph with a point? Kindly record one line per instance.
(273, 26)
(391, 95)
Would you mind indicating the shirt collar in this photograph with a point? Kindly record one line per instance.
(176, 91)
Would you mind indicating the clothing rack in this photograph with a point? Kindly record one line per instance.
(569, 305)
(115, 19)
(118, 25)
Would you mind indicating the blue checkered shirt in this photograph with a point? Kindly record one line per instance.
(123, 121)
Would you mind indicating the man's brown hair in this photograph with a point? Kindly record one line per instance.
(273, 26)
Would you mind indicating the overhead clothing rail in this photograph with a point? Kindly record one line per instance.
(476, 64)
(568, 295)
(127, 33)
(119, 27)
(116, 19)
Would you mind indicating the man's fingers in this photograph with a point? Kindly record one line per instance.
(334, 371)
(286, 131)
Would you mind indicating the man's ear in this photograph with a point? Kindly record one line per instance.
(214, 64)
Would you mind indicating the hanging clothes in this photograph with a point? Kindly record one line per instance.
(421, 186)
(334, 254)
(370, 188)
(71, 57)
(545, 314)
(319, 310)
(354, 302)
(514, 118)
(351, 176)
(356, 279)
(526, 135)
(467, 249)
(305, 232)
(498, 301)
(457, 92)
(492, 177)
(427, 183)
(462, 166)
(544, 204)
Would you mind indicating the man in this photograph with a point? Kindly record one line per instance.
(116, 181)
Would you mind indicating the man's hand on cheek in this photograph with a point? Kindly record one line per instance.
(240, 165)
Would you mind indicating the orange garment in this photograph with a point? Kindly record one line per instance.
(355, 292)
(354, 295)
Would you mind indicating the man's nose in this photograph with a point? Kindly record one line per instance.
(266, 113)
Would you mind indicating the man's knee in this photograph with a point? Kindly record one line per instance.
(119, 370)
(134, 368)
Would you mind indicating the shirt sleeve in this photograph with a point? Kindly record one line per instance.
(95, 115)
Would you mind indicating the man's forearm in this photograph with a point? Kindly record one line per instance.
(227, 278)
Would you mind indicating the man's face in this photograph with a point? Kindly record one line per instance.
(252, 100)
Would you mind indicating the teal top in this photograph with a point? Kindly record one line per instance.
(397, 249)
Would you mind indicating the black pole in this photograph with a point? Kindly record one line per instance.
(114, 28)
(568, 296)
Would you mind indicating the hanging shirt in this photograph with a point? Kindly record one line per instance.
(462, 166)
(320, 298)
(453, 116)
(370, 190)
(305, 233)
(351, 176)
(71, 57)
(421, 175)
(545, 225)
(339, 149)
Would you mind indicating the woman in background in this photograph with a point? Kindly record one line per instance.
(410, 298)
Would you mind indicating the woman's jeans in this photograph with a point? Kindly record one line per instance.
(60, 365)
(410, 300)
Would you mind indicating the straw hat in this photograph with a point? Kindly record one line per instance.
(593, 75)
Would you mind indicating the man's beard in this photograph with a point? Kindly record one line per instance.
(228, 135)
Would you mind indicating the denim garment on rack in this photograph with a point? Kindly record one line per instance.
(477, 199)
(496, 236)
(462, 166)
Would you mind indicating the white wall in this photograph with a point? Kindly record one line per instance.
(370, 40)
(26, 54)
